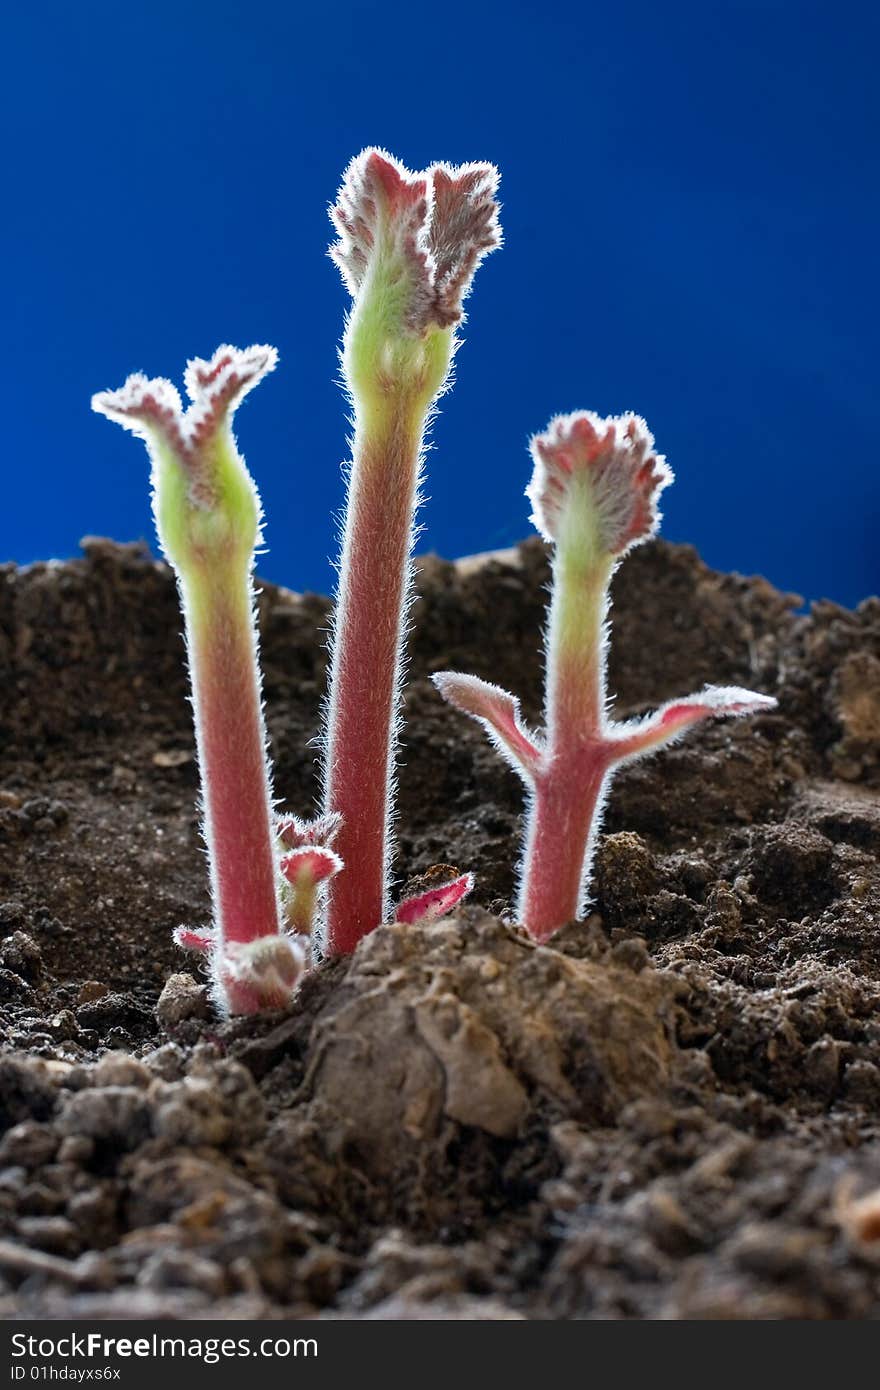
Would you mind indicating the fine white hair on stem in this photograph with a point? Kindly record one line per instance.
(529, 849)
(335, 645)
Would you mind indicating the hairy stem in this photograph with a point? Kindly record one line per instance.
(231, 740)
(563, 822)
(367, 659)
(570, 778)
(408, 247)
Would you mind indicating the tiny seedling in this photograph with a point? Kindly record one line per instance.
(408, 247)
(208, 515)
(594, 496)
(308, 862)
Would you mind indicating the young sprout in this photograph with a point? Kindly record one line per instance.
(408, 247)
(307, 862)
(594, 496)
(208, 514)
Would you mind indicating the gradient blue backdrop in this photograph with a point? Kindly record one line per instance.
(691, 215)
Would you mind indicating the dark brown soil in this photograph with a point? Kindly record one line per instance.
(673, 1111)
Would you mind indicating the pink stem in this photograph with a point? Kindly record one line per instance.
(365, 679)
(231, 741)
(560, 837)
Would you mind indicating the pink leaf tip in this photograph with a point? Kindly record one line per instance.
(315, 863)
(428, 906)
(152, 409)
(614, 458)
(464, 229)
(437, 225)
(200, 939)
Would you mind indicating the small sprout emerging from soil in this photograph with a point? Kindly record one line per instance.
(308, 861)
(208, 516)
(408, 247)
(594, 497)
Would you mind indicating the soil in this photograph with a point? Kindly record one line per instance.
(672, 1111)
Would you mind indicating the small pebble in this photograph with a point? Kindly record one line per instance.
(183, 997)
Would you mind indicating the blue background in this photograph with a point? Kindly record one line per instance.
(691, 216)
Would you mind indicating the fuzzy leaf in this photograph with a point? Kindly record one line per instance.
(314, 863)
(464, 229)
(323, 830)
(499, 714)
(672, 720)
(435, 903)
(201, 939)
(428, 231)
(153, 410)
